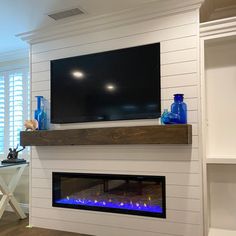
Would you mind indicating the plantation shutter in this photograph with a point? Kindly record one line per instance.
(14, 108)
(2, 115)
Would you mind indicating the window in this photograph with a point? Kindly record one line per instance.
(2, 115)
(14, 107)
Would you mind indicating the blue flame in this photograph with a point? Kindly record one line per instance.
(110, 204)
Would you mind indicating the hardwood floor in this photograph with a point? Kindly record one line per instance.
(10, 225)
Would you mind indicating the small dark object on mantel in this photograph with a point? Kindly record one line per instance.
(12, 156)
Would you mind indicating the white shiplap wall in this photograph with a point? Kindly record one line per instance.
(181, 164)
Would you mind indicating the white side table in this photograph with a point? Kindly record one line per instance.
(8, 189)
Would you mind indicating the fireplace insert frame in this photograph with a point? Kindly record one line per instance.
(56, 178)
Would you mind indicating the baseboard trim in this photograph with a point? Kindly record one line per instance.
(24, 206)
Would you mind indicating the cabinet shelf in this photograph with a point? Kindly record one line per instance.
(221, 232)
(221, 160)
(155, 134)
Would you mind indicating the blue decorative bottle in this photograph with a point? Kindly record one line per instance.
(179, 108)
(169, 117)
(165, 117)
(40, 114)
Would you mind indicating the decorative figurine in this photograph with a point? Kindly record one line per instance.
(31, 124)
(12, 156)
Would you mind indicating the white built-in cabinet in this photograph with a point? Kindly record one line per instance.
(218, 100)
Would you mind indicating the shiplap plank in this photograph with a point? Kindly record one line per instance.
(108, 220)
(41, 77)
(118, 32)
(40, 67)
(179, 68)
(188, 192)
(183, 204)
(188, 91)
(179, 44)
(179, 80)
(93, 229)
(111, 152)
(179, 56)
(40, 86)
(92, 165)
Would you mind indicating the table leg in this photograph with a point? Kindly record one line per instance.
(8, 196)
(3, 204)
(16, 207)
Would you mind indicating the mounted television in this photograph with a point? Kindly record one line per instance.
(121, 84)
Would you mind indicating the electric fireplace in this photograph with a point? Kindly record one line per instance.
(126, 194)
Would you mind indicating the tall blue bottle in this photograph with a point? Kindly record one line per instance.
(40, 114)
(179, 108)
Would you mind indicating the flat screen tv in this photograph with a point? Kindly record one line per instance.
(121, 84)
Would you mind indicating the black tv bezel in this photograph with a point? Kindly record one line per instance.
(54, 120)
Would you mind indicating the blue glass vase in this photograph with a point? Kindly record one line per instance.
(168, 117)
(40, 114)
(179, 108)
(165, 117)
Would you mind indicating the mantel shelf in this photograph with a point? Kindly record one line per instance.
(155, 134)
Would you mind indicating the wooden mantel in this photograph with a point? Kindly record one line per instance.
(155, 134)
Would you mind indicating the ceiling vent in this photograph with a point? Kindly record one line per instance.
(65, 14)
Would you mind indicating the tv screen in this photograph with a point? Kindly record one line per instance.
(121, 84)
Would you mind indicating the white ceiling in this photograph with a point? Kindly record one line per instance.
(18, 16)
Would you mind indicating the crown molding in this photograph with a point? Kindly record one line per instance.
(14, 55)
(210, 11)
(218, 28)
(97, 23)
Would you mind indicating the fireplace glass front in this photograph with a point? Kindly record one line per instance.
(127, 194)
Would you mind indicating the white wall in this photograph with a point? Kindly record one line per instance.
(181, 164)
(222, 195)
(220, 98)
(220, 101)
